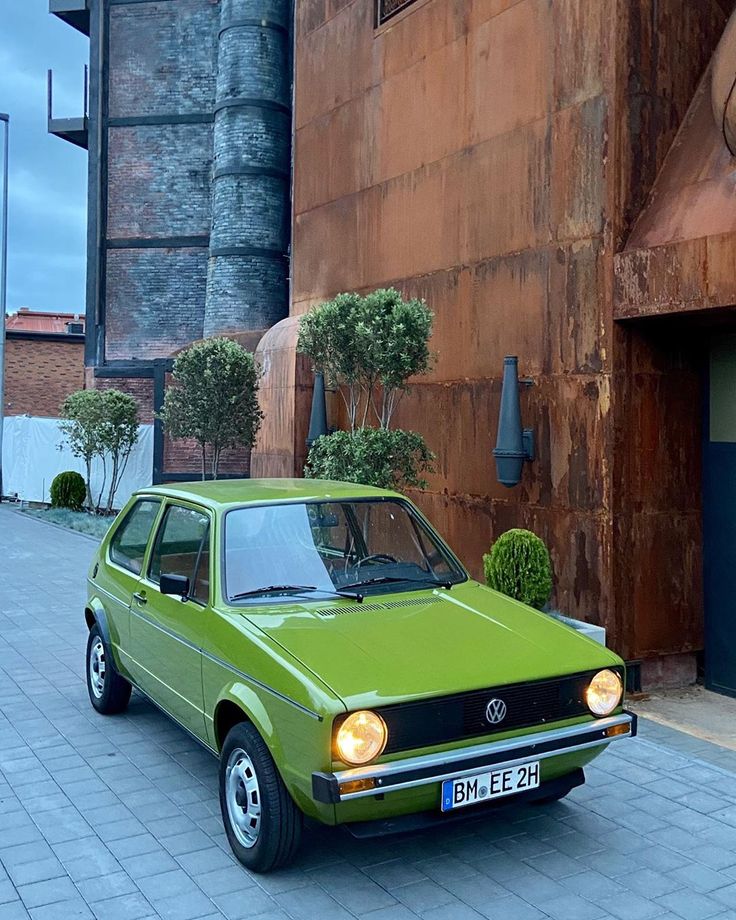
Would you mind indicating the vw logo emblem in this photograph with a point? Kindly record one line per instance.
(496, 711)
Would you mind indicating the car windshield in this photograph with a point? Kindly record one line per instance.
(273, 552)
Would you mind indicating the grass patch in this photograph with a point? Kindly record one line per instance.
(73, 520)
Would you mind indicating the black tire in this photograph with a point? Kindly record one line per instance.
(276, 834)
(109, 693)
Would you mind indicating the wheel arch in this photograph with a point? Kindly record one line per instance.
(241, 704)
(94, 614)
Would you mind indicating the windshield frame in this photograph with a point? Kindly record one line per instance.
(418, 519)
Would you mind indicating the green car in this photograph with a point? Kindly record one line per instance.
(324, 642)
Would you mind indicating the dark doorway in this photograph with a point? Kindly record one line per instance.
(719, 516)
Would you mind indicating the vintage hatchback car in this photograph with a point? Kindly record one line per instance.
(327, 645)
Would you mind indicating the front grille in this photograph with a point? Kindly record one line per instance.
(445, 719)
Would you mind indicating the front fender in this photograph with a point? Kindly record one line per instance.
(296, 739)
(245, 698)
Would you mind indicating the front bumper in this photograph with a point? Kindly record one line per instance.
(345, 785)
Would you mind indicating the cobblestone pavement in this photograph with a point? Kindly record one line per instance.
(118, 818)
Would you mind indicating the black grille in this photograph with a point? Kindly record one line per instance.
(444, 719)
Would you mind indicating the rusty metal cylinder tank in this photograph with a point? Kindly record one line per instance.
(247, 279)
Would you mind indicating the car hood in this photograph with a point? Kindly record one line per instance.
(418, 644)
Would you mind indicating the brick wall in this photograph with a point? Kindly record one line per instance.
(40, 374)
(140, 388)
(162, 62)
(162, 57)
(159, 181)
(155, 301)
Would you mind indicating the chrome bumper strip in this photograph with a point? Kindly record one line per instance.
(433, 768)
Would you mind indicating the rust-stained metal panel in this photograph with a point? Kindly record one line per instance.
(488, 155)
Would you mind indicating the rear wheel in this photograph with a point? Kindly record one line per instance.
(109, 693)
(262, 823)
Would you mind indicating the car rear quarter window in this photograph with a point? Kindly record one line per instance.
(128, 545)
(182, 548)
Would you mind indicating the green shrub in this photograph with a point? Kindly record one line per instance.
(387, 458)
(368, 347)
(68, 490)
(519, 566)
(213, 398)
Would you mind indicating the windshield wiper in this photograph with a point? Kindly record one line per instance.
(387, 579)
(282, 589)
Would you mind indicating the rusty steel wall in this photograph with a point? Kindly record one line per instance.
(657, 579)
(490, 156)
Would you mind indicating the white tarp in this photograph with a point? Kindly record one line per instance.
(34, 452)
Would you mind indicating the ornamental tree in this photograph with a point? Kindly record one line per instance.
(213, 398)
(83, 427)
(368, 347)
(119, 434)
(101, 424)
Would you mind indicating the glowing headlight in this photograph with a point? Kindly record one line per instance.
(361, 737)
(604, 693)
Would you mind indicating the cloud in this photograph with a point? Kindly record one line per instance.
(48, 177)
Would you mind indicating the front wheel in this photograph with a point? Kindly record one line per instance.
(262, 823)
(109, 693)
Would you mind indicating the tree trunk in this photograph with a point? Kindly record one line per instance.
(204, 462)
(113, 481)
(102, 487)
(88, 466)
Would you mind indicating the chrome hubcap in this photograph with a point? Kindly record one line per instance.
(97, 668)
(243, 798)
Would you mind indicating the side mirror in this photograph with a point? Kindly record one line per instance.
(175, 584)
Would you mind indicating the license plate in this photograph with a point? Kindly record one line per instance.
(482, 787)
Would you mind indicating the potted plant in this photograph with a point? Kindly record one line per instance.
(519, 566)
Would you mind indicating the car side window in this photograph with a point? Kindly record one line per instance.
(128, 545)
(182, 548)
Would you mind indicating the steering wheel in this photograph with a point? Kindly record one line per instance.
(376, 557)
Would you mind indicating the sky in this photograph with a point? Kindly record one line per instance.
(48, 176)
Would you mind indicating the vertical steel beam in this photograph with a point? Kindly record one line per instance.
(5, 119)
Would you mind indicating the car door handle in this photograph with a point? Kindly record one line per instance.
(141, 598)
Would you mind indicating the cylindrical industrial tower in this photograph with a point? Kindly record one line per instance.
(247, 278)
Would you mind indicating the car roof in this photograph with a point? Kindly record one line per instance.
(232, 492)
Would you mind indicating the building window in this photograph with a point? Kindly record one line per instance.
(389, 8)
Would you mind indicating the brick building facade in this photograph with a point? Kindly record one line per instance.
(44, 362)
(189, 132)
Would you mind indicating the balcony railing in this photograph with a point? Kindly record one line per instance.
(388, 8)
(74, 130)
(73, 12)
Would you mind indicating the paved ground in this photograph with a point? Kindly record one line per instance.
(117, 818)
(696, 710)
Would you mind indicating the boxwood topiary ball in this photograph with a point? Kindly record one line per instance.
(68, 490)
(519, 566)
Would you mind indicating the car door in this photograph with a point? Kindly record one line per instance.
(165, 629)
(117, 577)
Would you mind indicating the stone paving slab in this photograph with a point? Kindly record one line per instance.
(118, 818)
